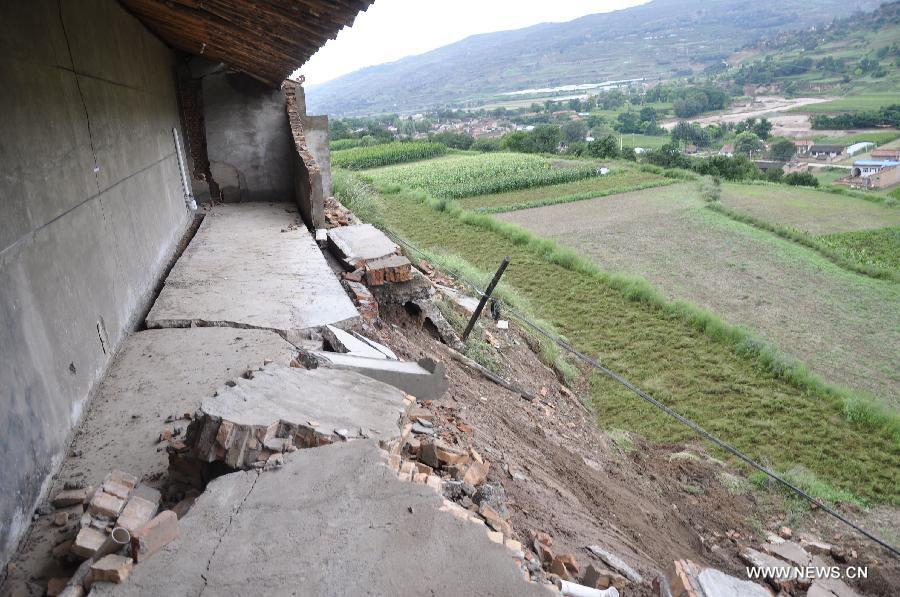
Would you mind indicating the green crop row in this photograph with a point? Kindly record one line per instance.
(361, 158)
(461, 176)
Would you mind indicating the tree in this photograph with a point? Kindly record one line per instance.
(668, 156)
(801, 179)
(629, 122)
(574, 130)
(783, 150)
(515, 141)
(453, 139)
(648, 114)
(747, 144)
(545, 138)
(604, 147)
(762, 128)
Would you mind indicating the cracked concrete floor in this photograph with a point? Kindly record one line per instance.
(332, 522)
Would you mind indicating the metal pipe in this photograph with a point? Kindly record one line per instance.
(575, 590)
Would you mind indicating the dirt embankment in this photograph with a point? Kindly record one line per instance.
(563, 476)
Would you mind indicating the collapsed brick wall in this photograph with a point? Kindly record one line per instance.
(308, 186)
(190, 99)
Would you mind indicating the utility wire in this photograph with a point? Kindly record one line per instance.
(653, 401)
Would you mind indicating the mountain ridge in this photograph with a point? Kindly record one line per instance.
(659, 39)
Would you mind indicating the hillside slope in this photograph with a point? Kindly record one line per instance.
(658, 39)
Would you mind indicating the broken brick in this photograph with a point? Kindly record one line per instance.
(392, 268)
(136, 513)
(106, 504)
(112, 568)
(123, 478)
(362, 298)
(120, 490)
(70, 497)
(495, 537)
(558, 567)
(476, 473)
(154, 535)
(87, 542)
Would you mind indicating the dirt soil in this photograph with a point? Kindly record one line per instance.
(563, 476)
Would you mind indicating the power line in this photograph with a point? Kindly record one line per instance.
(656, 403)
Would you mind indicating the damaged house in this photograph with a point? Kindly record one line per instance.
(117, 116)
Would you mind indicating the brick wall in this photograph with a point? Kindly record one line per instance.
(308, 186)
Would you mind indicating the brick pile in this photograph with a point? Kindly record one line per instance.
(116, 525)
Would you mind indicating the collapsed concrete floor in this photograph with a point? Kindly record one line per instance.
(335, 520)
(331, 521)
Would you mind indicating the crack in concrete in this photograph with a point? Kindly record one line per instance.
(231, 518)
(292, 336)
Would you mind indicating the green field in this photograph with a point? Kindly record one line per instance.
(460, 176)
(808, 210)
(736, 389)
(851, 103)
(619, 180)
(838, 322)
(373, 156)
(878, 247)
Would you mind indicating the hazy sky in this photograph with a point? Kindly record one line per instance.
(392, 29)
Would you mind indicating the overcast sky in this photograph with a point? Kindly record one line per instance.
(392, 29)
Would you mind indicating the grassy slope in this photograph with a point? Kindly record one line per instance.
(662, 350)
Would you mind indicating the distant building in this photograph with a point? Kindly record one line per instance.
(803, 146)
(690, 149)
(792, 167)
(766, 165)
(727, 150)
(866, 168)
(886, 154)
(826, 152)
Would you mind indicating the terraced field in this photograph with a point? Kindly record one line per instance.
(621, 179)
(845, 326)
(808, 210)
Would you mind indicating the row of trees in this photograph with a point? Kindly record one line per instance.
(887, 116)
(738, 167)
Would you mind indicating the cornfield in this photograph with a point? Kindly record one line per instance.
(361, 158)
(469, 175)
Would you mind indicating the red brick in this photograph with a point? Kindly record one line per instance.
(137, 513)
(87, 542)
(477, 473)
(70, 497)
(154, 535)
(105, 504)
(112, 568)
(393, 268)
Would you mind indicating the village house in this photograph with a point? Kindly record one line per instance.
(866, 168)
(886, 154)
(727, 150)
(826, 152)
(803, 146)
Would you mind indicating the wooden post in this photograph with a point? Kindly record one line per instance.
(484, 299)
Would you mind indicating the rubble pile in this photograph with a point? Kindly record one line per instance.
(336, 214)
(107, 530)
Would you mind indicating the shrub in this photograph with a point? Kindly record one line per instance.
(801, 179)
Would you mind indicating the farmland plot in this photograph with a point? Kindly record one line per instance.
(845, 326)
(807, 210)
(459, 176)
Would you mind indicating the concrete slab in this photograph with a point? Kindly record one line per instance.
(377, 346)
(248, 266)
(360, 243)
(714, 582)
(352, 344)
(310, 406)
(426, 380)
(333, 522)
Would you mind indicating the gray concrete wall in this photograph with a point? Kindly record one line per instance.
(315, 129)
(92, 209)
(248, 139)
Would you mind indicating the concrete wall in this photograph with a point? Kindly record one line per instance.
(248, 140)
(92, 209)
(315, 130)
